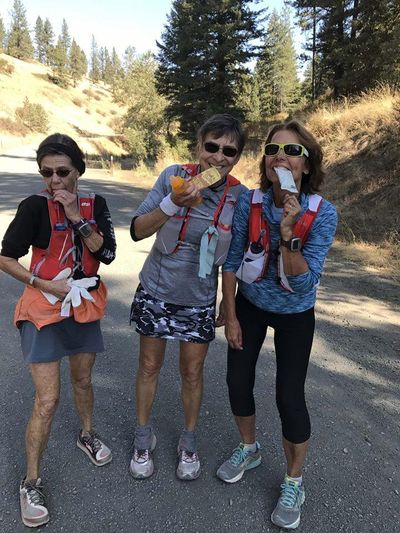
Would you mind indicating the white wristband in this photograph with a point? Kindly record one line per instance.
(168, 207)
(32, 280)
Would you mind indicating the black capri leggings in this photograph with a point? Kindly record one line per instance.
(293, 340)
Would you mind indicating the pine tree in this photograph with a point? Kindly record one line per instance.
(276, 69)
(65, 39)
(77, 62)
(108, 67)
(203, 56)
(19, 42)
(117, 73)
(94, 73)
(60, 64)
(40, 53)
(102, 61)
(2, 34)
(48, 42)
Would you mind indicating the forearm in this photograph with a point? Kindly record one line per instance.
(294, 263)
(147, 224)
(228, 294)
(94, 241)
(17, 271)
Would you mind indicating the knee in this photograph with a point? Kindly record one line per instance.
(192, 375)
(82, 383)
(149, 368)
(46, 407)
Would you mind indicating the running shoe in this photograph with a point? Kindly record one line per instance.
(287, 511)
(34, 512)
(242, 459)
(94, 448)
(188, 465)
(142, 465)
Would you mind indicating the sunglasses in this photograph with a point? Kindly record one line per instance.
(213, 148)
(61, 172)
(289, 149)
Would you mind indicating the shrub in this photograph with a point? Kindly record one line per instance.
(77, 101)
(89, 93)
(33, 116)
(13, 127)
(6, 67)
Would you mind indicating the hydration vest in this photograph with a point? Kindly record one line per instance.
(61, 251)
(259, 232)
(171, 236)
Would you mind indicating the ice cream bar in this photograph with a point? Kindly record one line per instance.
(286, 179)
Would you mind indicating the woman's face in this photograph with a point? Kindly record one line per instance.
(297, 165)
(223, 162)
(62, 163)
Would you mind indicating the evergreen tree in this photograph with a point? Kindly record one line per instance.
(19, 42)
(276, 70)
(65, 39)
(48, 42)
(94, 73)
(77, 62)
(60, 64)
(40, 52)
(108, 68)
(2, 34)
(102, 61)
(203, 56)
(117, 73)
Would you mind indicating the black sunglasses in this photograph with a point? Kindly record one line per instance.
(213, 148)
(61, 172)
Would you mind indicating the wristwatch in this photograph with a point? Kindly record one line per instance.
(83, 227)
(293, 244)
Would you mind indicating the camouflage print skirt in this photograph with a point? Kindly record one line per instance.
(155, 318)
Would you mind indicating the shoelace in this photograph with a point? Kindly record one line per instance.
(35, 493)
(188, 457)
(93, 441)
(238, 456)
(289, 494)
(141, 456)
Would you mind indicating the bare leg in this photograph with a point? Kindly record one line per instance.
(151, 359)
(295, 456)
(80, 366)
(247, 428)
(191, 364)
(46, 379)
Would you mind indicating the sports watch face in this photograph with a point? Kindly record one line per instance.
(295, 244)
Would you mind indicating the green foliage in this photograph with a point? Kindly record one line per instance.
(33, 116)
(276, 70)
(203, 55)
(77, 62)
(2, 34)
(19, 42)
(65, 38)
(47, 42)
(95, 72)
(40, 52)
(145, 120)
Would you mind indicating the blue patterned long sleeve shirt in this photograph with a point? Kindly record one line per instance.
(268, 294)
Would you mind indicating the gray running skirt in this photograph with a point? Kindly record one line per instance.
(155, 318)
(55, 341)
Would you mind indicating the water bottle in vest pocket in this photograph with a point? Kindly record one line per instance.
(224, 227)
(254, 261)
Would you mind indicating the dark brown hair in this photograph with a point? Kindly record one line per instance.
(222, 124)
(311, 182)
(59, 143)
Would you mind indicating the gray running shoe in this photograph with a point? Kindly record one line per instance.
(241, 460)
(142, 465)
(188, 465)
(34, 512)
(94, 448)
(287, 511)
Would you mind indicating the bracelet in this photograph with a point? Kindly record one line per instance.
(168, 207)
(32, 280)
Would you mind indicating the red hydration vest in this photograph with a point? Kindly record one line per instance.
(61, 251)
(257, 223)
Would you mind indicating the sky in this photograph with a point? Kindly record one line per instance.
(118, 23)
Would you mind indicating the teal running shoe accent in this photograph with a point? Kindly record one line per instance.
(241, 460)
(287, 511)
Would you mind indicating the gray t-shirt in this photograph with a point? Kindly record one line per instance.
(174, 278)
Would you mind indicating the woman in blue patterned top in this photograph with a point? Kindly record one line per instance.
(281, 296)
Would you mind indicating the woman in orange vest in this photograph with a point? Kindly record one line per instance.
(282, 233)
(59, 312)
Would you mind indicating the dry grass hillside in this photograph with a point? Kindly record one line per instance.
(86, 112)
